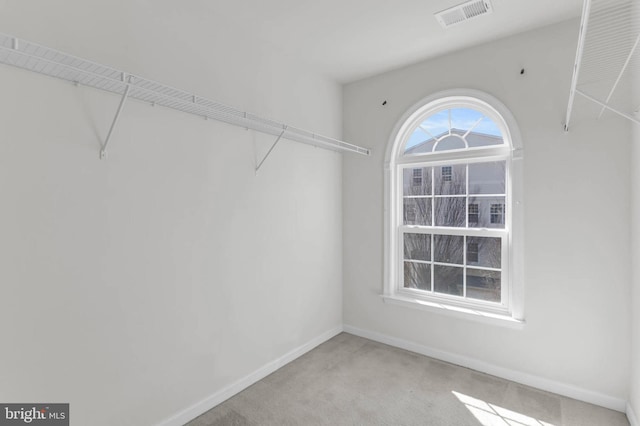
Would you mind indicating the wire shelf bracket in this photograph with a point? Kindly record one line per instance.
(43, 60)
(607, 59)
(103, 148)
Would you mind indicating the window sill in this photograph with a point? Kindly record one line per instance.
(455, 311)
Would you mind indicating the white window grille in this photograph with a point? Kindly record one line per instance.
(450, 239)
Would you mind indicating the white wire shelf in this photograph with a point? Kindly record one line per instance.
(607, 60)
(43, 60)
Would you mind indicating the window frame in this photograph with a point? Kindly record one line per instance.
(511, 309)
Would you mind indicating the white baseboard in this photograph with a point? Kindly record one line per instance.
(563, 389)
(631, 415)
(219, 397)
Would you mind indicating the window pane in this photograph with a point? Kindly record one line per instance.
(476, 138)
(417, 246)
(416, 181)
(448, 249)
(491, 212)
(448, 279)
(496, 214)
(484, 251)
(463, 119)
(483, 285)
(419, 142)
(450, 129)
(417, 275)
(472, 252)
(449, 143)
(451, 180)
(437, 124)
(450, 211)
(487, 178)
(417, 211)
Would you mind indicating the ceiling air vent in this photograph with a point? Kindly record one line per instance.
(463, 12)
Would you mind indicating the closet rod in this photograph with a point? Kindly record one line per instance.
(43, 60)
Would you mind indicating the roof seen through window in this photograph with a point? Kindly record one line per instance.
(453, 129)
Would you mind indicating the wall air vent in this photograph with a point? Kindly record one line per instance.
(463, 12)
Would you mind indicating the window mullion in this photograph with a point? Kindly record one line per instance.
(433, 221)
(433, 286)
(475, 232)
(466, 221)
(446, 157)
(466, 204)
(433, 197)
(464, 267)
(400, 235)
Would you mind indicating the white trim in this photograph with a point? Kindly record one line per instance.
(484, 316)
(222, 395)
(541, 383)
(491, 153)
(631, 416)
(445, 230)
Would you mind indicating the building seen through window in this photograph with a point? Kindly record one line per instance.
(453, 225)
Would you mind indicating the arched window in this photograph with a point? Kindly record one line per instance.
(451, 184)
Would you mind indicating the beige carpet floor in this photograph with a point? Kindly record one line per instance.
(353, 381)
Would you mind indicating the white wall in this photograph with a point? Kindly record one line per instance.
(634, 399)
(577, 272)
(135, 287)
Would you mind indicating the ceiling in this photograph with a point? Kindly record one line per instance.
(352, 39)
(346, 40)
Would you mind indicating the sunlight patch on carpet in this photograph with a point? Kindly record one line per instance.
(493, 415)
